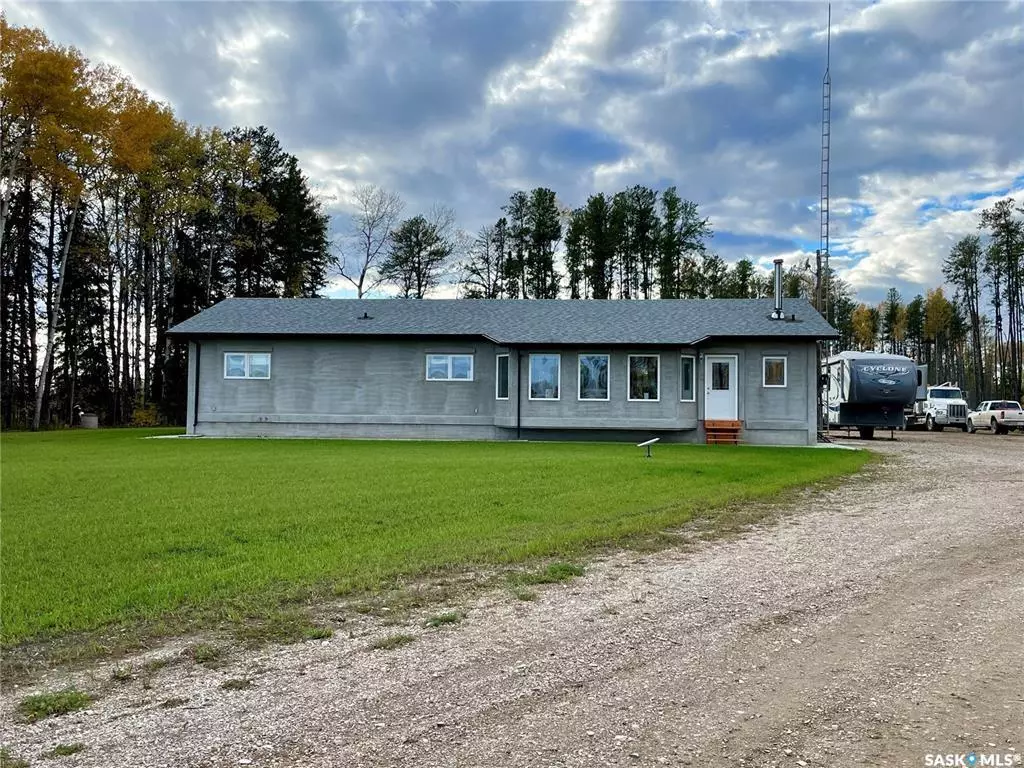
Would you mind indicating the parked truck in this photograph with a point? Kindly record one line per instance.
(936, 407)
(868, 390)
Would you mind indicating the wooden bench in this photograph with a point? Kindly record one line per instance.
(722, 431)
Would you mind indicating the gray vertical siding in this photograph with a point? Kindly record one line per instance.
(190, 412)
(355, 385)
(773, 416)
(378, 388)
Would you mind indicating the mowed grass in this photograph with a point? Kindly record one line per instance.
(105, 528)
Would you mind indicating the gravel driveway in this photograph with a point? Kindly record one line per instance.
(879, 623)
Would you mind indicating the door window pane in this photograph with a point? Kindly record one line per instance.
(643, 377)
(544, 377)
(502, 386)
(720, 376)
(593, 377)
(686, 378)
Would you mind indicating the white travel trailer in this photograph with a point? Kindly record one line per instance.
(869, 390)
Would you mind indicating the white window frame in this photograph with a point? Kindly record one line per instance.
(764, 371)
(629, 383)
(693, 378)
(579, 372)
(248, 357)
(497, 376)
(529, 378)
(449, 355)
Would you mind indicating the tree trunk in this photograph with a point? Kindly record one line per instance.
(6, 189)
(51, 327)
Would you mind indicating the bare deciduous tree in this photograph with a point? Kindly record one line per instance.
(372, 225)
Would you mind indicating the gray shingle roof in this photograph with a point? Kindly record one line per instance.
(505, 321)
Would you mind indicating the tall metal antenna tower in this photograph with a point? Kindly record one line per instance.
(823, 275)
(822, 292)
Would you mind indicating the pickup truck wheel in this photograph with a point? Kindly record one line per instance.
(996, 429)
(970, 426)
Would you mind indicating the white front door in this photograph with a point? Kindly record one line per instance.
(720, 387)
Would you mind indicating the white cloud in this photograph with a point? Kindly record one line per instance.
(898, 243)
(557, 75)
(240, 50)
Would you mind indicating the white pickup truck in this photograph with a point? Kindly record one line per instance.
(998, 415)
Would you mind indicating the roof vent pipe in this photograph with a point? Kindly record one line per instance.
(777, 313)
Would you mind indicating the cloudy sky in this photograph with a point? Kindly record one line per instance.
(462, 103)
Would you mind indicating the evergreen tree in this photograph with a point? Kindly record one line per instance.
(1004, 263)
(576, 255)
(645, 232)
(915, 328)
(963, 269)
(893, 320)
(600, 246)
(544, 227)
(739, 282)
(418, 255)
(518, 239)
(670, 245)
(619, 239)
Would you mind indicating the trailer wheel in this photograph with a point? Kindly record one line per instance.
(866, 433)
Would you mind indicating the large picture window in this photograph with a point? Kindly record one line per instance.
(501, 378)
(449, 367)
(545, 377)
(686, 376)
(774, 369)
(644, 377)
(593, 377)
(246, 365)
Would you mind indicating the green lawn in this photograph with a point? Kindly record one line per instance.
(104, 527)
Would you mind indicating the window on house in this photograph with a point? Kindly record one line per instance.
(774, 369)
(449, 367)
(643, 377)
(593, 377)
(686, 388)
(501, 379)
(545, 377)
(246, 365)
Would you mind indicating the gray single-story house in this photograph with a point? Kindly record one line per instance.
(504, 369)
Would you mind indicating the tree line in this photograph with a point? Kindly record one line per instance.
(117, 220)
(976, 335)
(634, 244)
